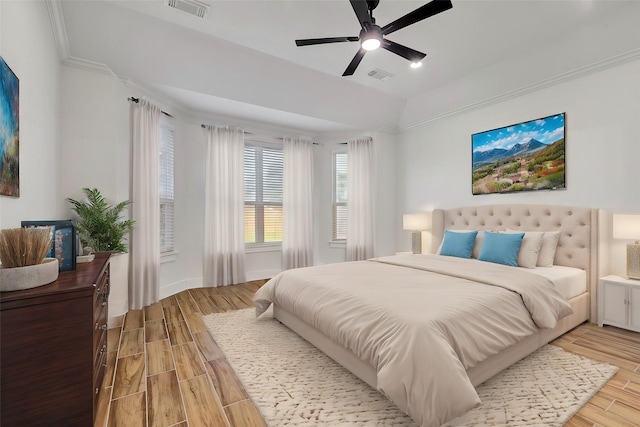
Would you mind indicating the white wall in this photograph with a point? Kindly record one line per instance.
(185, 271)
(384, 143)
(602, 149)
(27, 46)
(95, 133)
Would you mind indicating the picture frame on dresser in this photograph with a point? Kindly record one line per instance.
(63, 241)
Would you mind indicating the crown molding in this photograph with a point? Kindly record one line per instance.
(386, 129)
(542, 84)
(59, 29)
(85, 64)
(54, 7)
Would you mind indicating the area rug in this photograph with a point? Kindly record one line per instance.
(294, 384)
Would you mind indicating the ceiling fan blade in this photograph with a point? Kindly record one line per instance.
(354, 63)
(432, 8)
(362, 12)
(406, 52)
(309, 42)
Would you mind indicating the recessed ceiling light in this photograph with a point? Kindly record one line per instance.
(416, 64)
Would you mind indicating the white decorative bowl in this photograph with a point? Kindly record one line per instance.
(31, 276)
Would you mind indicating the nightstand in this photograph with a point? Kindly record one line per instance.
(619, 302)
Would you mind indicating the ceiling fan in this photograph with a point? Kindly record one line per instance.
(372, 36)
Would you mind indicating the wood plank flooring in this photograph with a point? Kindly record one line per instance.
(164, 369)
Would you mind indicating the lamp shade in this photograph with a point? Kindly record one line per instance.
(416, 222)
(626, 227)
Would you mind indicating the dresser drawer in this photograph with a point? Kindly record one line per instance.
(102, 286)
(64, 324)
(98, 376)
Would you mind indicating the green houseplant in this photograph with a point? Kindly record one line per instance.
(100, 226)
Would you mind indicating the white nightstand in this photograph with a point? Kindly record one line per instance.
(619, 302)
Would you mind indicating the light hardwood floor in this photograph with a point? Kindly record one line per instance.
(164, 369)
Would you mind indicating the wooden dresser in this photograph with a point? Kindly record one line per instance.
(53, 348)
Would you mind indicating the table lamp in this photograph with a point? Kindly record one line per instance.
(416, 223)
(627, 227)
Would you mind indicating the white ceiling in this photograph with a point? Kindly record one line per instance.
(241, 60)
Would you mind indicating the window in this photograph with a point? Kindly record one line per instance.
(339, 208)
(165, 187)
(262, 194)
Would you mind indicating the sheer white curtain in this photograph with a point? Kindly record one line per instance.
(360, 234)
(224, 207)
(297, 204)
(144, 243)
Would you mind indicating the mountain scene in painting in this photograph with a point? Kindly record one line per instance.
(523, 157)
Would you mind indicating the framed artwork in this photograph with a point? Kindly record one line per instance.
(9, 130)
(526, 156)
(63, 241)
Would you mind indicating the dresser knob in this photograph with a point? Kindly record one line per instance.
(97, 390)
(104, 327)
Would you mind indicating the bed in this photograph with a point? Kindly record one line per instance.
(474, 330)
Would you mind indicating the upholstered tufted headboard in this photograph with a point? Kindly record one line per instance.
(578, 226)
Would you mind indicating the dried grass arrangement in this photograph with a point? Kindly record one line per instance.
(21, 247)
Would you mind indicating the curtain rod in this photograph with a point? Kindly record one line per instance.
(136, 100)
(251, 133)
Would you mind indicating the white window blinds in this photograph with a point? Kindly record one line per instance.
(166, 185)
(339, 208)
(262, 194)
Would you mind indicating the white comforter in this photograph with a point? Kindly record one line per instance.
(419, 320)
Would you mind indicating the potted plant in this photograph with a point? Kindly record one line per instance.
(100, 226)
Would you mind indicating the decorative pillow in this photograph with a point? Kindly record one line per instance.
(548, 249)
(501, 248)
(458, 243)
(530, 248)
(476, 246)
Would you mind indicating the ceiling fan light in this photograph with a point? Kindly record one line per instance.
(416, 64)
(371, 44)
(371, 38)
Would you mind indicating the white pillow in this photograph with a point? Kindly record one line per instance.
(547, 252)
(548, 249)
(530, 248)
(476, 246)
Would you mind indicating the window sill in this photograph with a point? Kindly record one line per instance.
(333, 244)
(168, 257)
(266, 247)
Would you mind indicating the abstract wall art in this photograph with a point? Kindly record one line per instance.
(9, 130)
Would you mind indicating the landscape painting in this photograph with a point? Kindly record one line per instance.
(9, 160)
(523, 157)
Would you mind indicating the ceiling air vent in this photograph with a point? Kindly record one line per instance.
(379, 74)
(192, 7)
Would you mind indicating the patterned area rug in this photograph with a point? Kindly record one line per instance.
(294, 384)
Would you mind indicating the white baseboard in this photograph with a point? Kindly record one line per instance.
(174, 288)
(166, 291)
(261, 274)
(195, 282)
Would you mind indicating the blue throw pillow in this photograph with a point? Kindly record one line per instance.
(501, 248)
(458, 244)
